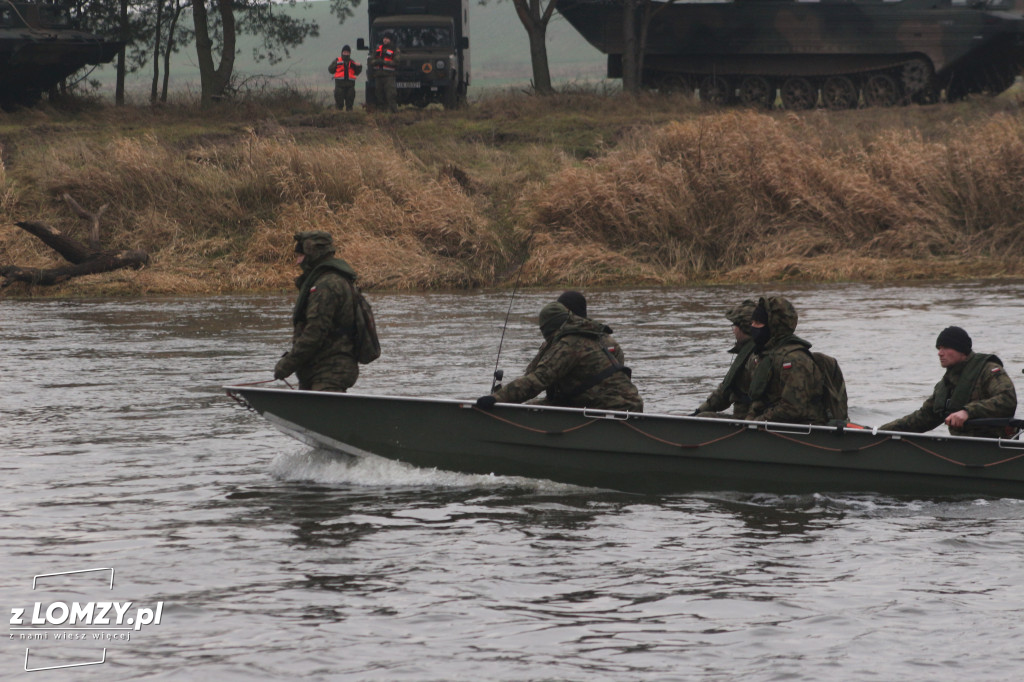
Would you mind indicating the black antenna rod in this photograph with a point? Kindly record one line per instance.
(515, 287)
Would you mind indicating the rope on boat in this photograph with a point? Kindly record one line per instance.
(962, 464)
(619, 421)
(822, 447)
(530, 428)
(685, 446)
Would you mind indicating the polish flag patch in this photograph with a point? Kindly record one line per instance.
(787, 365)
(312, 289)
(995, 370)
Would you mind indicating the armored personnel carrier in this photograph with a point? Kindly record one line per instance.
(39, 47)
(840, 53)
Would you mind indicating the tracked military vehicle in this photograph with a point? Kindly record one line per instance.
(39, 47)
(840, 53)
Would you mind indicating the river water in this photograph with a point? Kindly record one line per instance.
(268, 561)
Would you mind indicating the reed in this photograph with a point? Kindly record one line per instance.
(587, 187)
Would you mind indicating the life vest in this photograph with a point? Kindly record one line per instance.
(947, 402)
(341, 73)
(387, 55)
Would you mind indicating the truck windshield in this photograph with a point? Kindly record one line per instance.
(413, 37)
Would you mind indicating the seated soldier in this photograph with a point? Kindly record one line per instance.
(576, 370)
(735, 388)
(786, 385)
(973, 387)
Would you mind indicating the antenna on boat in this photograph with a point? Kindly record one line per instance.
(498, 374)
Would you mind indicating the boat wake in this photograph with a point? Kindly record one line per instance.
(330, 468)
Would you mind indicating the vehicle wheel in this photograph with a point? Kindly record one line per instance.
(916, 77)
(881, 90)
(716, 90)
(798, 93)
(839, 92)
(451, 97)
(757, 91)
(675, 83)
(371, 96)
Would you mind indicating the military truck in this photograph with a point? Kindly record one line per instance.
(40, 47)
(432, 37)
(841, 53)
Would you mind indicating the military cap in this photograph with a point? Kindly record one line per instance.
(955, 338)
(552, 316)
(741, 314)
(575, 302)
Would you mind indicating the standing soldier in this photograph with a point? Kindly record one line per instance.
(323, 344)
(735, 388)
(345, 72)
(974, 386)
(786, 385)
(577, 370)
(385, 63)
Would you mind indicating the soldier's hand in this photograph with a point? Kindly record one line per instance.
(957, 419)
(486, 402)
(283, 368)
(695, 412)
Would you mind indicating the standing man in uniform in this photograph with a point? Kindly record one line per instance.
(974, 386)
(577, 370)
(345, 72)
(786, 385)
(735, 388)
(324, 319)
(385, 63)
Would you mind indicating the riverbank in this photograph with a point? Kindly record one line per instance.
(582, 189)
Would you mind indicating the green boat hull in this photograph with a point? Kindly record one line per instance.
(641, 453)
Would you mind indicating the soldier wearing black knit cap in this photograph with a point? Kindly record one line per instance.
(975, 386)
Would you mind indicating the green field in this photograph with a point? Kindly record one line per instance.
(499, 54)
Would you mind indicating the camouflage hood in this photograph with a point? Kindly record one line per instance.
(581, 326)
(782, 321)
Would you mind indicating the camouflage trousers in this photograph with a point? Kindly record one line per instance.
(385, 91)
(344, 94)
(336, 376)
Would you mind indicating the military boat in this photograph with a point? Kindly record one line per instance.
(39, 47)
(841, 53)
(641, 453)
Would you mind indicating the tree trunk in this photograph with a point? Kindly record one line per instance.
(171, 28)
(535, 18)
(630, 76)
(214, 79)
(157, 34)
(121, 63)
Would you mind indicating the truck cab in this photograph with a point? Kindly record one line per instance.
(433, 49)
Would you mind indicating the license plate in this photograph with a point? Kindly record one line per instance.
(407, 85)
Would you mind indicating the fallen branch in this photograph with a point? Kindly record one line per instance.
(85, 260)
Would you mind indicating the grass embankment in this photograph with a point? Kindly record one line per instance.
(589, 189)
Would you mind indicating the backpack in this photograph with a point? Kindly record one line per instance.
(365, 343)
(834, 394)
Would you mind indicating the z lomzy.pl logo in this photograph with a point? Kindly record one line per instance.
(92, 621)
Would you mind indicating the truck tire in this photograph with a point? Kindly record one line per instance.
(371, 96)
(451, 97)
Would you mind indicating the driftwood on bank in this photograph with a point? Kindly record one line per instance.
(84, 259)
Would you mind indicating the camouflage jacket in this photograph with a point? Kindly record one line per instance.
(324, 314)
(574, 356)
(606, 340)
(786, 385)
(735, 388)
(992, 395)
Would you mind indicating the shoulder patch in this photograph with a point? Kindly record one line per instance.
(787, 365)
(312, 289)
(995, 370)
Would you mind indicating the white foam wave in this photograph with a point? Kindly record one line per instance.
(330, 468)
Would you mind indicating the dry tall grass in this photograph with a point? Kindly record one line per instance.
(585, 189)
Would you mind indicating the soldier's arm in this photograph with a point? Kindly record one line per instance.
(1002, 397)
(925, 418)
(530, 368)
(333, 67)
(321, 314)
(717, 401)
(554, 365)
(357, 67)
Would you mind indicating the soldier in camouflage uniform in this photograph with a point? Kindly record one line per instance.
(577, 305)
(735, 388)
(787, 385)
(576, 370)
(322, 354)
(974, 386)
